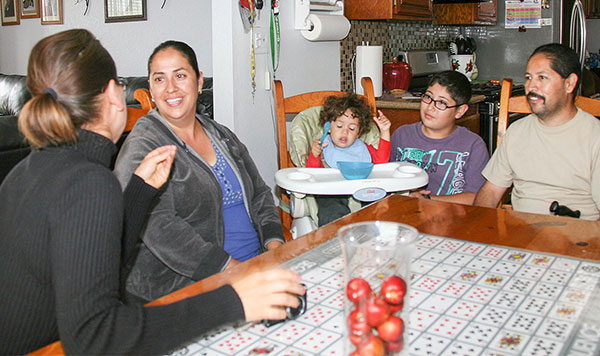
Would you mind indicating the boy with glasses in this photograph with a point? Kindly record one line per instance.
(452, 155)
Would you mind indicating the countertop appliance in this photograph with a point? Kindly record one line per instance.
(425, 63)
(503, 53)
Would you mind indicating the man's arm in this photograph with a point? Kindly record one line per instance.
(489, 195)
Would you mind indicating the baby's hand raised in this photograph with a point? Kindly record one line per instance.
(384, 125)
(317, 148)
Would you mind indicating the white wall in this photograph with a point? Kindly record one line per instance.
(593, 35)
(130, 43)
(304, 66)
(223, 50)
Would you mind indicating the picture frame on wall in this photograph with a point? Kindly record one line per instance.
(124, 10)
(10, 12)
(51, 12)
(30, 9)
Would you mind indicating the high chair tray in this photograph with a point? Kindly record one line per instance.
(391, 177)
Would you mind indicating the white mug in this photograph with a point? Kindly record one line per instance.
(464, 63)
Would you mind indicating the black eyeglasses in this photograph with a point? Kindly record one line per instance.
(439, 104)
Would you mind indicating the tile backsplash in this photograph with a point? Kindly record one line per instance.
(397, 36)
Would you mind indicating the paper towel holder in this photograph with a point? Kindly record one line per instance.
(303, 8)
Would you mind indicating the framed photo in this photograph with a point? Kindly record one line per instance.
(124, 10)
(30, 9)
(10, 12)
(52, 12)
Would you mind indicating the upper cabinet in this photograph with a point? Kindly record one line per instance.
(388, 9)
(591, 9)
(480, 13)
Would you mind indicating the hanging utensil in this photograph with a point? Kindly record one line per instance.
(326, 128)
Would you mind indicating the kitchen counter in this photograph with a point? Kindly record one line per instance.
(407, 111)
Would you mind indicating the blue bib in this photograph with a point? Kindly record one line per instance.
(356, 152)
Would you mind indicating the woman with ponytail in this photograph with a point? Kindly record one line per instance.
(66, 224)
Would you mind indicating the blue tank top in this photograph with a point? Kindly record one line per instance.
(241, 238)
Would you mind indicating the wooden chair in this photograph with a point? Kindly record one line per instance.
(296, 104)
(518, 104)
(133, 114)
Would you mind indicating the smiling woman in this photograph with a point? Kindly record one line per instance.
(216, 210)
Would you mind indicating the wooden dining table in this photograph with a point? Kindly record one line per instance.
(564, 238)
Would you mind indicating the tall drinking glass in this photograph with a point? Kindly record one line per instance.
(377, 257)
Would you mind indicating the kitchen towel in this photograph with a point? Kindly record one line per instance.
(369, 63)
(327, 28)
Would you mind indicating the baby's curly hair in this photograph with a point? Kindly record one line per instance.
(335, 106)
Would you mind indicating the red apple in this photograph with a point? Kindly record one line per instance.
(358, 327)
(393, 290)
(371, 346)
(391, 329)
(377, 311)
(396, 308)
(358, 289)
(394, 346)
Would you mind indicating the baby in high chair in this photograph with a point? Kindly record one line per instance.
(349, 116)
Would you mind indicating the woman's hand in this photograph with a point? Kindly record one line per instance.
(384, 125)
(419, 194)
(156, 166)
(273, 245)
(266, 294)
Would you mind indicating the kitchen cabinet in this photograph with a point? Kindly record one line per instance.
(388, 9)
(480, 13)
(591, 9)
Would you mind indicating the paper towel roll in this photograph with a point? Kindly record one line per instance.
(369, 63)
(327, 28)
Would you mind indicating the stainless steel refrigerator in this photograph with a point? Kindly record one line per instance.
(503, 53)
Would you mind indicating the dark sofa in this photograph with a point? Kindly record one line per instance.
(14, 94)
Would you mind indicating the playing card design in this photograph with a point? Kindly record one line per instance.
(450, 245)
(507, 300)
(583, 281)
(335, 282)
(419, 251)
(524, 323)
(556, 277)
(436, 255)
(585, 346)
(429, 241)
(335, 301)
(565, 311)
(317, 315)
(319, 293)
(555, 329)
(416, 297)
(479, 294)
(471, 248)
(590, 331)
(453, 288)
(520, 285)
(494, 316)
(302, 266)
(565, 264)
(427, 283)
(421, 319)
(464, 309)
(506, 268)
(517, 256)
(289, 332)
(481, 263)
(541, 260)
(447, 326)
(317, 275)
(535, 305)
(546, 290)
(509, 342)
(494, 252)
(234, 343)
(336, 349)
(541, 346)
(421, 266)
(428, 345)
(478, 334)
(468, 275)
(493, 280)
(335, 324)
(336, 264)
(437, 303)
(262, 347)
(444, 271)
(317, 341)
(458, 259)
(460, 349)
(530, 272)
(591, 268)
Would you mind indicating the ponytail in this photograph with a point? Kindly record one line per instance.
(44, 121)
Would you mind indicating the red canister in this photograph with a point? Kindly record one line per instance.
(396, 75)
